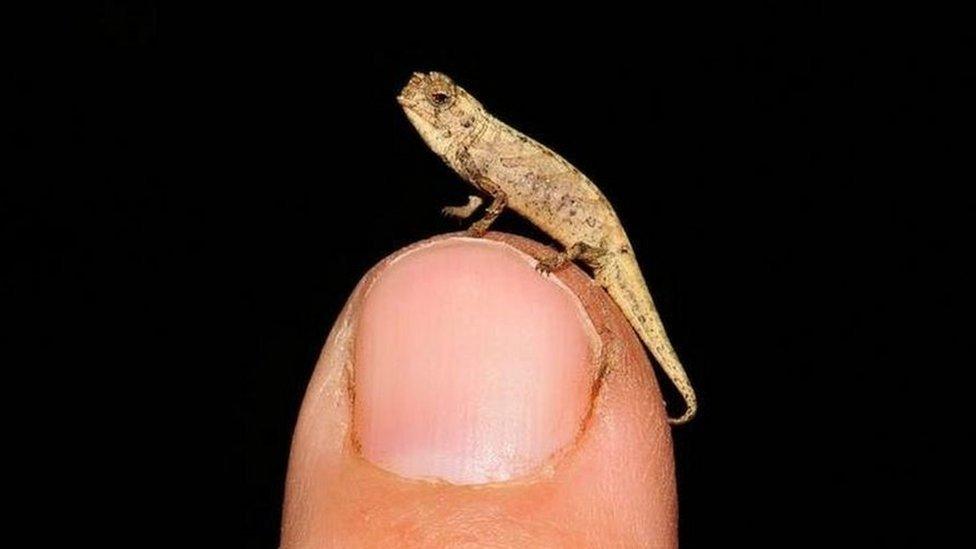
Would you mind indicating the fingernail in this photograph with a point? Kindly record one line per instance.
(470, 366)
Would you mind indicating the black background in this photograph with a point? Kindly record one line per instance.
(789, 198)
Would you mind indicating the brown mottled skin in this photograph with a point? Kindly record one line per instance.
(519, 173)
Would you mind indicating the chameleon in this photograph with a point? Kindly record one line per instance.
(518, 173)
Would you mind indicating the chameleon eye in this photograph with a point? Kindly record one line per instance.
(440, 98)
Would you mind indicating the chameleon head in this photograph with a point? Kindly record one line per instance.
(442, 112)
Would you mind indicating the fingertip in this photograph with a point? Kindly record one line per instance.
(574, 440)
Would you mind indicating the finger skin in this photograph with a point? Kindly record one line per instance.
(613, 487)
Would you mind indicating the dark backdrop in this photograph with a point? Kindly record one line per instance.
(776, 262)
(786, 197)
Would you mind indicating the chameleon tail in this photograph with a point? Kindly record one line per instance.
(618, 278)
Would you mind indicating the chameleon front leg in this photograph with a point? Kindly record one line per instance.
(498, 203)
(588, 254)
(465, 211)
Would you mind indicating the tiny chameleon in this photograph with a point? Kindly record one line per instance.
(524, 175)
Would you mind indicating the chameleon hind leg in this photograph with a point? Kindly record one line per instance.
(582, 251)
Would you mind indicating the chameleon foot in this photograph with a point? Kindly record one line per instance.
(552, 262)
(584, 252)
(463, 212)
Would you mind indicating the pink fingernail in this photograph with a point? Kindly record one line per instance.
(470, 366)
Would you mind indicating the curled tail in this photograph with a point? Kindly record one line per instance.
(624, 282)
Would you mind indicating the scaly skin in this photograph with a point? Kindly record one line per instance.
(519, 173)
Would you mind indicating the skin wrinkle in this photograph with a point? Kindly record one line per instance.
(335, 498)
